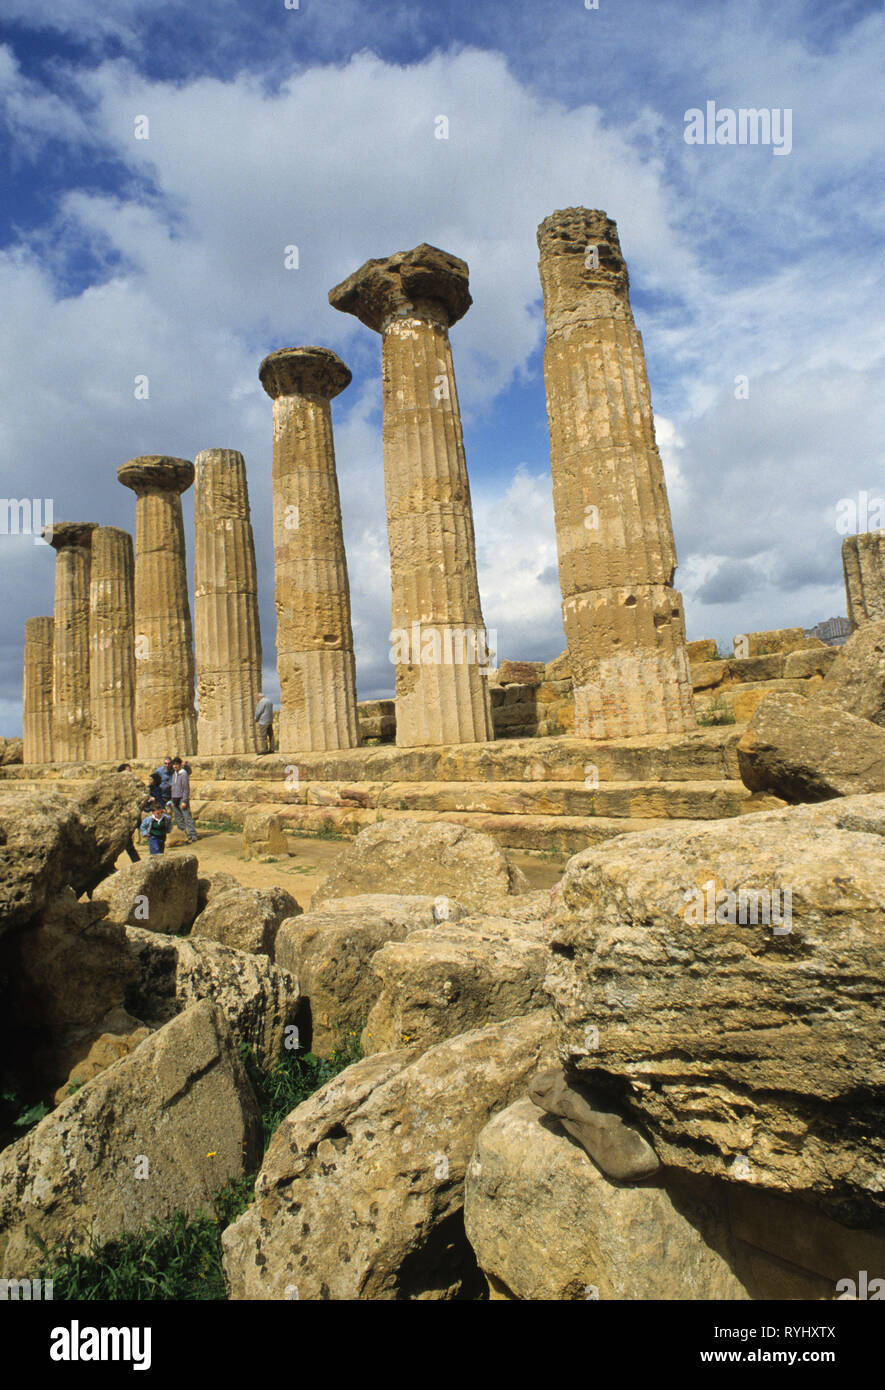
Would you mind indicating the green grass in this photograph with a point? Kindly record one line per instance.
(716, 713)
(219, 827)
(179, 1257)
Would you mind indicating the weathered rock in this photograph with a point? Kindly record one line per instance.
(855, 682)
(10, 751)
(49, 841)
(456, 976)
(409, 856)
(559, 669)
(246, 918)
(159, 894)
(617, 1148)
(94, 1055)
(863, 563)
(521, 672)
(329, 952)
(257, 999)
(263, 835)
(805, 750)
(161, 1130)
(778, 639)
(67, 970)
(361, 1191)
(737, 1047)
(703, 649)
(546, 1224)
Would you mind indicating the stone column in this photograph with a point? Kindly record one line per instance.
(623, 619)
(863, 561)
(314, 635)
(227, 635)
(165, 721)
(439, 638)
(71, 729)
(37, 691)
(112, 646)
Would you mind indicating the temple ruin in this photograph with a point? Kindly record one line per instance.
(315, 657)
(71, 724)
(227, 632)
(863, 563)
(165, 719)
(412, 299)
(623, 619)
(112, 645)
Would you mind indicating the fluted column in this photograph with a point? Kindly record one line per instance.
(165, 721)
(112, 646)
(227, 636)
(438, 638)
(37, 691)
(863, 561)
(314, 635)
(623, 619)
(71, 729)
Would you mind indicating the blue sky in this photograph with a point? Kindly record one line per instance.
(271, 126)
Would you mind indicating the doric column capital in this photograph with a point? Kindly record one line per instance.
(423, 283)
(304, 371)
(581, 253)
(69, 535)
(156, 473)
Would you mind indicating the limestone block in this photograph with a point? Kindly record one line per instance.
(159, 894)
(329, 952)
(263, 835)
(855, 680)
(180, 1101)
(704, 649)
(773, 641)
(676, 1003)
(707, 674)
(361, 1191)
(408, 856)
(546, 1224)
(808, 663)
(450, 978)
(806, 750)
(247, 918)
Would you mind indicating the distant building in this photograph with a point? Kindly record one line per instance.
(835, 631)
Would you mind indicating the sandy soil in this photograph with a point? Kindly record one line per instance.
(309, 861)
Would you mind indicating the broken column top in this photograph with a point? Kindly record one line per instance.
(566, 237)
(304, 371)
(61, 535)
(156, 473)
(422, 282)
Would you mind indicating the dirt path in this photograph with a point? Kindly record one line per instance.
(309, 861)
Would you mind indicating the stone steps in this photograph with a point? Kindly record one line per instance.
(706, 754)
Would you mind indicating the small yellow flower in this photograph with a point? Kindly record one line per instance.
(214, 1154)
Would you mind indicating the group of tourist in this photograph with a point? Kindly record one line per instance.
(168, 790)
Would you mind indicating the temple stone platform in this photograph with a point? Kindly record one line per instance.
(558, 794)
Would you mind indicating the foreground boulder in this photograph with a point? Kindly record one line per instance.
(257, 1000)
(49, 842)
(856, 680)
(618, 1149)
(750, 1049)
(361, 1191)
(456, 976)
(264, 836)
(546, 1224)
(159, 1131)
(329, 953)
(805, 750)
(435, 858)
(159, 894)
(246, 918)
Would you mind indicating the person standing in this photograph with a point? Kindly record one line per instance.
(181, 796)
(264, 720)
(164, 772)
(156, 827)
